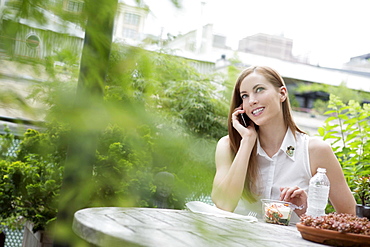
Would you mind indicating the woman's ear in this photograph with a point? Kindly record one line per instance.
(283, 93)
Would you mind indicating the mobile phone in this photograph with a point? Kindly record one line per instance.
(244, 119)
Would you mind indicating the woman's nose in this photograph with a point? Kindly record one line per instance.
(252, 100)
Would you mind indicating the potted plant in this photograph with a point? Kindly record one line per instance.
(362, 195)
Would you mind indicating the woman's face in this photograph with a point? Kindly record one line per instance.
(261, 100)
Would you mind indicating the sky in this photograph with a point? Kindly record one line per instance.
(329, 32)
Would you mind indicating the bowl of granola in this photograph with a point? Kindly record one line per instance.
(276, 212)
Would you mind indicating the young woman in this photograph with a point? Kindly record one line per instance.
(270, 157)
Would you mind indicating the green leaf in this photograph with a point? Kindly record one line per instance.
(329, 119)
(321, 131)
(330, 112)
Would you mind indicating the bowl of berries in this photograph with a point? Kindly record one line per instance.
(336, 229)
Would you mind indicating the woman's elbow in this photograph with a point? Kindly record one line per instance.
(350, 209)
(347, 208)
(222, 203)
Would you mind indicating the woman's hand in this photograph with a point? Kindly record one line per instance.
(244, 132)
(296, 196)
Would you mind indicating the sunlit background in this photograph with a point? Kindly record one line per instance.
(99, 97)
(325, 33)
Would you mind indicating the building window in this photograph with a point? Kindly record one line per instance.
(130, 33)
(132, 19)
(74, 6)
(190, 46)
(33, 41)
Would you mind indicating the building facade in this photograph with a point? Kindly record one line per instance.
(26, 38)
(361, 63)
(130, 22)
(267, 45)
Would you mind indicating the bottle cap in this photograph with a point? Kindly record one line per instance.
(321, 169)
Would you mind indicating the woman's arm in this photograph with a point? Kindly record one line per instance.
(231, 172)
(321, 155)
(228, 184)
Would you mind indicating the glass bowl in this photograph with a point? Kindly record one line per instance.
(276, 212)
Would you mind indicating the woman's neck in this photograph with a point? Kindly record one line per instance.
(271, 137)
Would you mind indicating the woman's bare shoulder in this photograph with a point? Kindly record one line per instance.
(321, 155)
(223, 148)
(317, 145)
(224, 140)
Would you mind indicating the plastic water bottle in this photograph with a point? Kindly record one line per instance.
(318, 193)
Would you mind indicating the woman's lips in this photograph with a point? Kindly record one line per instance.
(258, 111)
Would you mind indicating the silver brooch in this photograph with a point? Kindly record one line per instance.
(290, 151)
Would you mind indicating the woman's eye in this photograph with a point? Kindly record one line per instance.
(244, 96)
(259, 89)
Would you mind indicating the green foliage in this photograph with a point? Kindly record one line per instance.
(50, 145)
(64, 61)
(342, 91)
(6, 144)
(320, 106)
(193, 104)
(312, 87)
(362, 189)
(169, 85)
(127, 163)
(122, 170)
(29, 9)
(158, 114)
(347, 128)
(7, 208)
(30, 186)
(178, 106)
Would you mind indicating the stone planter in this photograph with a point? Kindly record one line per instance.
(37, 239)
(363, 211)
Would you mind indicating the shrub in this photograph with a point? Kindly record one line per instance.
(158, 115)
(347, 128)
(30, 186)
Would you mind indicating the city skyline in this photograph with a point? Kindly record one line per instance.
(328, 32)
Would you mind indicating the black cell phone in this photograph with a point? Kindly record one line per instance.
(244, 119)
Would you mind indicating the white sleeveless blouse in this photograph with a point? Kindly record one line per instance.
(289, 167)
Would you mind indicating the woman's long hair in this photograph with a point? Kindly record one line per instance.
(250, 186)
